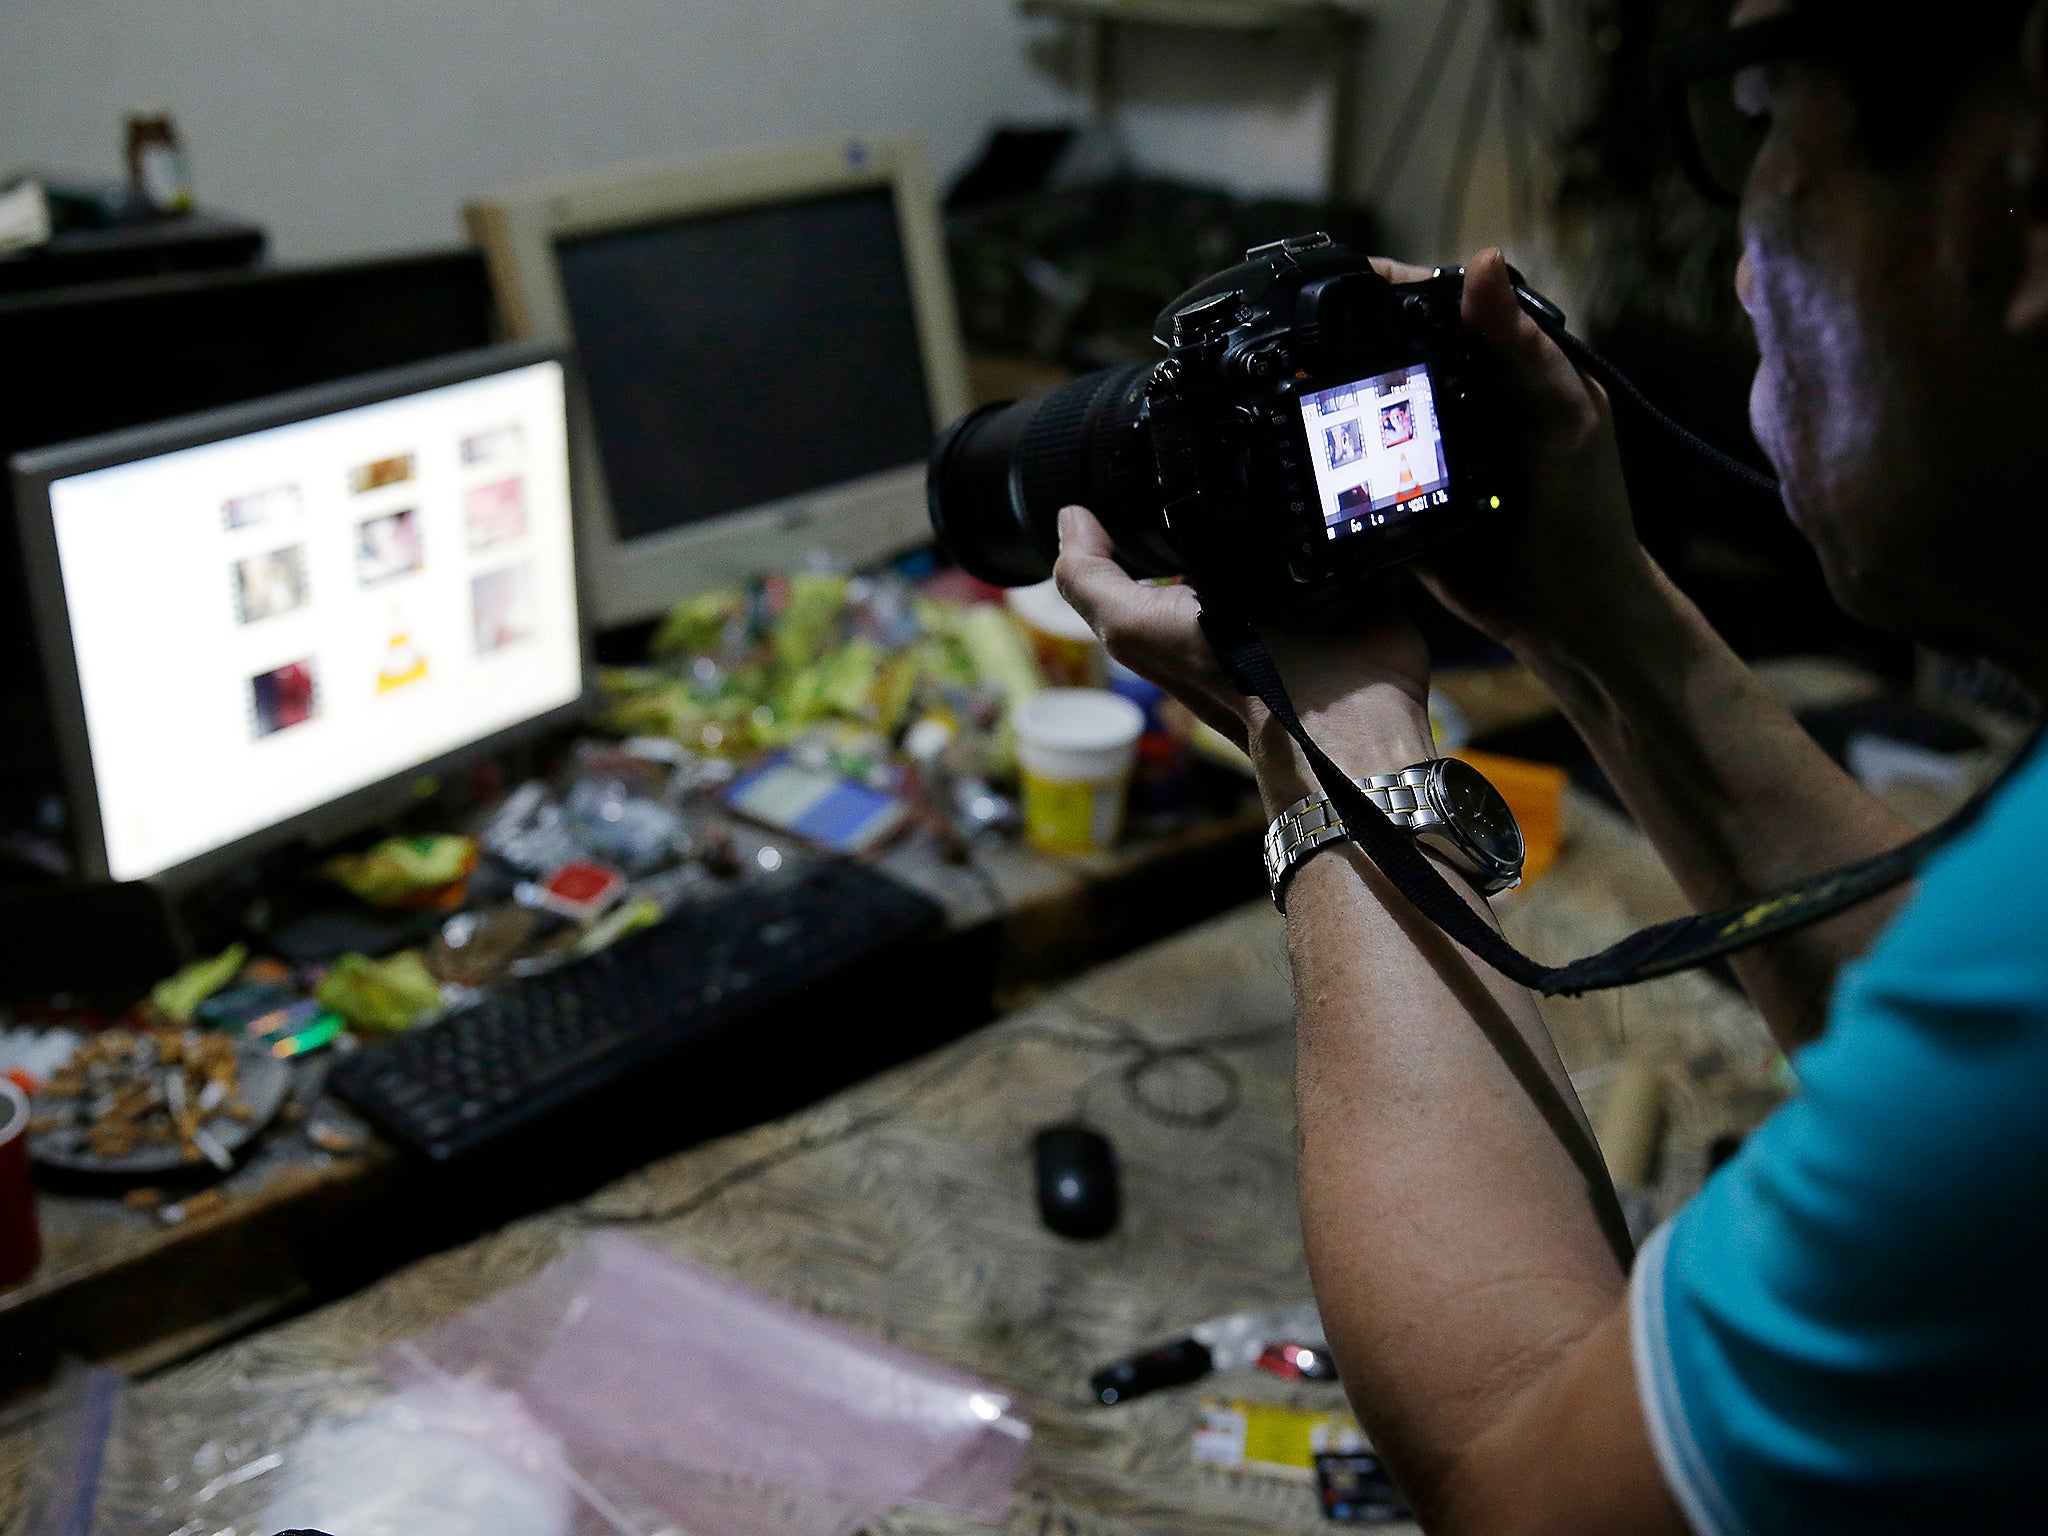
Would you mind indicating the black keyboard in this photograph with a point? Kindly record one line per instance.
(554, 1039)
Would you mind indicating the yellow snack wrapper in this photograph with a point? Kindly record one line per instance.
(178, 997)
(383, 995)
(1270, 1439)
(801, 634)
(406, 871)
(696, 626)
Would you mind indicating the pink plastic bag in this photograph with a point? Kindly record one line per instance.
(730, 1411)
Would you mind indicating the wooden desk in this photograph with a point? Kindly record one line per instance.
(300, 1224)
(903, 1205)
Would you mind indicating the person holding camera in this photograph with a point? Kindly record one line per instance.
(1844, 1330)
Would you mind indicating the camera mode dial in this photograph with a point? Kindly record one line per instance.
(1208, 320)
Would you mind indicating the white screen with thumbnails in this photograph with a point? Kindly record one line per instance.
(265, 623)
(1378, 450)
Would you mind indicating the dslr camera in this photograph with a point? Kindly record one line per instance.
(1310, 423)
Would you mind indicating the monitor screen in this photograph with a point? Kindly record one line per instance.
(118, 355)
(267, 622)
(741, 358)
(1378, 450)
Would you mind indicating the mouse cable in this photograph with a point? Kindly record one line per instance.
(1128, 1038)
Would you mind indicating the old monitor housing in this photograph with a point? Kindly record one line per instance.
(767, 345)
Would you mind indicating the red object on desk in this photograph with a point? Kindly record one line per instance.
(21, 1239)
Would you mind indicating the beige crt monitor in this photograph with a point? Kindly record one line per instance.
(767, 346)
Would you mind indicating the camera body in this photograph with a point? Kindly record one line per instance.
(1311, 423)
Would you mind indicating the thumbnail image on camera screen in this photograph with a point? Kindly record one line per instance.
(1378, 450)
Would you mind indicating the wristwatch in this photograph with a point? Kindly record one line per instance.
(1446, 804)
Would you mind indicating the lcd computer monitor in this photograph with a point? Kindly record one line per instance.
(110, 356)
(767, 344)
(269, 621)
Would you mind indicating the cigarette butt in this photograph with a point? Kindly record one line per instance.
(1630, 1122)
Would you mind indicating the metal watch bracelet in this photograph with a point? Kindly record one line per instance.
(1312, 822)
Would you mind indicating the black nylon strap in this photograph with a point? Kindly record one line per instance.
(1587, 360)
(1678, 945)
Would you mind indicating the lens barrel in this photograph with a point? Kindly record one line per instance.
(1002, 473)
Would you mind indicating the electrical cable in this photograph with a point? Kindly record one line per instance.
(1521, 184)
(1149, 1056)
(1429, 76)
(1588, 359)
(1478, 106)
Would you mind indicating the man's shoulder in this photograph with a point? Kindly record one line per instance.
(1982, 908)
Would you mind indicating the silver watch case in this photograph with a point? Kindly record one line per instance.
(1448, 805)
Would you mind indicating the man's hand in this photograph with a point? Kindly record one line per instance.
(1556, 571)
(1358, 673)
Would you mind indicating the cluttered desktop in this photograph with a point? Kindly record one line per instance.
(485, 701)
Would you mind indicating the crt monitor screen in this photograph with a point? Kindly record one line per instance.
(265, 623)
(1378, 450)
(741, 358)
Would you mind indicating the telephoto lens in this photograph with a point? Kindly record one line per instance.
(1001, 475)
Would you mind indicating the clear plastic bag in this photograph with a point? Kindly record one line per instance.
(177, 1459)
(620, 1392)
(726, 1409)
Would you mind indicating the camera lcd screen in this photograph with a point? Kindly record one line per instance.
(1378, 450)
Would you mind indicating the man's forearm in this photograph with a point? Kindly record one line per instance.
(1737, 798)
(1452, 1196)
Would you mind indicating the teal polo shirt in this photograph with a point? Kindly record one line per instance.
(1847, 1330)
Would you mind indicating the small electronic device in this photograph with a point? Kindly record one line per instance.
(564, 1036)
(1075, 1169)
(833, 812)
(1311, 421)
(270, 620)
(767, 343)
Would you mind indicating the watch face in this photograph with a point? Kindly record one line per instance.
(1476, 811)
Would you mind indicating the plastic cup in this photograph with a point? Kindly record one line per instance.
(1077, 747)
(21, 1242)
(1062, 644)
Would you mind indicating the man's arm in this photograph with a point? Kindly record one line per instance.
(1737, 798)
(1735, 795)
(1460, 1232)
(1454, 1229)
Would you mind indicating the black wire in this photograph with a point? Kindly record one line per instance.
(1429, 75)
(1588, 360)
(1478, 104)
(1148, 1057)
(1521, 185)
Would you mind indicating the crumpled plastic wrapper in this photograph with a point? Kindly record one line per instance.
(177, 997)
(408, 873)
(385, 995)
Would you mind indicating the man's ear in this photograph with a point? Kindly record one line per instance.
(2026, 316)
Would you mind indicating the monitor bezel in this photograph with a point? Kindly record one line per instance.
(857, 522)
(35, 470)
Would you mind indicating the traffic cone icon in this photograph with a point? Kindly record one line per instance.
(1409, 488)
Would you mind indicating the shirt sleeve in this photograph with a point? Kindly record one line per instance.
(1844, 1331)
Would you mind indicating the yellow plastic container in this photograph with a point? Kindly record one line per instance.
(1076, 747)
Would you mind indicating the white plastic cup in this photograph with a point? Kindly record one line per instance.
(1065, 648)
(1077, 747)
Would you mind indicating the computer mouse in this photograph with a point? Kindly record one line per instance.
(1077, 1185)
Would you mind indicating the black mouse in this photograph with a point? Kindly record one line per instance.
(1077, 1189)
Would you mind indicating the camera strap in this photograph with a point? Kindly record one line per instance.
(1678, 945)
